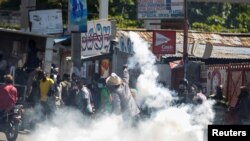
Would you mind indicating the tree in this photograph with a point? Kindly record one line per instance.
(219, 17)
(10, 4)
(203, 16)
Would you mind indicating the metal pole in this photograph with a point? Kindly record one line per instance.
(185, 42)
(104, 9)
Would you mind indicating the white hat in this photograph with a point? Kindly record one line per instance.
(113, 79)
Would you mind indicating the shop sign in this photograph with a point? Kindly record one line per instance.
(97, 39)
(164, 42)
(160, 9)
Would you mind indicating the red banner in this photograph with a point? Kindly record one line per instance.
(164, 42)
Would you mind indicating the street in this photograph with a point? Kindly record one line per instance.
(21, 136)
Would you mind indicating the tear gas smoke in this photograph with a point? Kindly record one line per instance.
(174, 123)
(148, 89)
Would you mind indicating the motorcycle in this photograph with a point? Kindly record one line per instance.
(10, 122)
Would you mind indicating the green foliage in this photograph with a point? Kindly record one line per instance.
(123, 11)
(203, 16)
(219, 17)
(126, 23)
(10, 4)
(9, 26)
(215, 20)
(200, 26)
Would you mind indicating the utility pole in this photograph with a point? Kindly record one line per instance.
(25, 6)
(185, 42)
(104, 9)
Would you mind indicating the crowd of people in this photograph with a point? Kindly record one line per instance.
(190, 93)
(50, 92)
(102, 96)
(111, 95)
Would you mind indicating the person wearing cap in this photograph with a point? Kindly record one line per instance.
(8, 94)
(122, 99)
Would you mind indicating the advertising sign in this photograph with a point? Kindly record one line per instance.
(46, 21)
(97, 39)
(77, 15)
(164, 42)
(160, 9)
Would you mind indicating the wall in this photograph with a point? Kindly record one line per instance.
(119, 59)
(164, 74)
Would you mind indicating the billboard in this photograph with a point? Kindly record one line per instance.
(160, 9)
(96, 40)
(164, 42)
(46, 21)
(77, 16)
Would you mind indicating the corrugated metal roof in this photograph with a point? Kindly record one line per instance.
(230, 46)
(233, 40)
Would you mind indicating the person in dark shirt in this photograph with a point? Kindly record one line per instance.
(32, 61)
(242, 108)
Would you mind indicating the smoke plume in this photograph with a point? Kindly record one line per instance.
(170, 122)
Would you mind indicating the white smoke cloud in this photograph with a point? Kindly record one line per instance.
(174, 123)
(147, 81)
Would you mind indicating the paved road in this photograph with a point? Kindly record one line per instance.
(21, 136)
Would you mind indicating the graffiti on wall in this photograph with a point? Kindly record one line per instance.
(125, 44)
(97, 39)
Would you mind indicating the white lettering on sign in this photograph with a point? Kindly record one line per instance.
(166, 47)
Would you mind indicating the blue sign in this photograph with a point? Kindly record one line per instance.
(78, 15)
